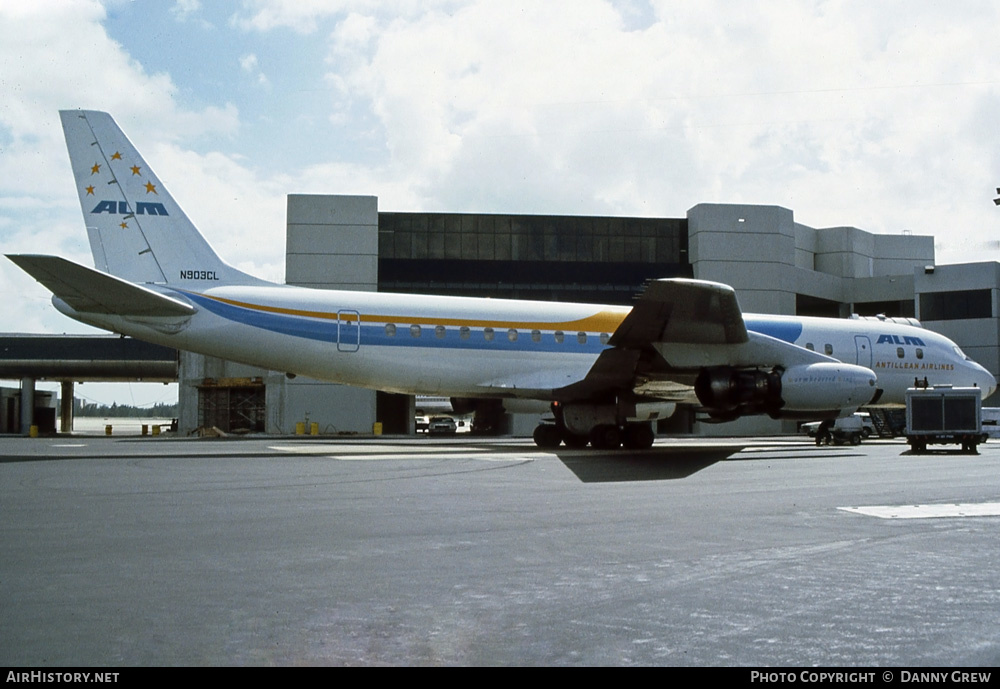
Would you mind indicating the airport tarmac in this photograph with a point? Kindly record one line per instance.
(292, 551)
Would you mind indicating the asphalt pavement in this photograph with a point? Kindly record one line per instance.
(291, 551)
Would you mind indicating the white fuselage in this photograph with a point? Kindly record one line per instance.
(474, 347)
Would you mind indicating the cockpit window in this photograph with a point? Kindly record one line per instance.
(961, 353)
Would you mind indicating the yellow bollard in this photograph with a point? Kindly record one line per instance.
(300, 428)
(377, 428)
(314, 428)
(156, 430)
(107, 429)
(32, 431)
(145, 429)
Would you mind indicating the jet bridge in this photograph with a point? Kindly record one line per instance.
(72, 358)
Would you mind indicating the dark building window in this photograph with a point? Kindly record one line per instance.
(951, 306)
(806, 305)
(600, 260)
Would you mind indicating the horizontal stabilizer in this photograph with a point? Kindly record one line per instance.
(91, 291)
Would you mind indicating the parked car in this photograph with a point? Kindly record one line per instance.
(859, 424)
(441, 425)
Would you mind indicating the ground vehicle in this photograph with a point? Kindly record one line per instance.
(848, 429)
(851, 429)
(439, 425)
(943, 414)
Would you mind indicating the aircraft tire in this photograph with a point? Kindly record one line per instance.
(605, 437)
(547, 436)
(639, 436)
(574, 440)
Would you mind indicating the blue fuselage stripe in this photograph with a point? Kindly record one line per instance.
(787, 331)
(326, 330)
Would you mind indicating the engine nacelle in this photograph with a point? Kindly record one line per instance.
(824, 386)
(818, 388)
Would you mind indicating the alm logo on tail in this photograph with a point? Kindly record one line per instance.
(121, 208)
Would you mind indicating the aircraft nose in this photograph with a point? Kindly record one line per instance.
(984, 380)
(989, 383)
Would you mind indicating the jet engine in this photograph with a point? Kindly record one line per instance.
(798, 391)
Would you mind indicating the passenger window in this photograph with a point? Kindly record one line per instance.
(414, 331)
(439, 331)
(920, 353)
(810, 346)
(488, 334)
(899, 352)
(581, 337)
(463, 332)
(390, 329)
(536, 335)
(828, 349)
(559, 336)
(512, 335)
(604, 338)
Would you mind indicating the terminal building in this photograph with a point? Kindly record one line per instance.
(776, 265)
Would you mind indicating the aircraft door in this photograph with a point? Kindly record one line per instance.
(864, 347)
(348, 330)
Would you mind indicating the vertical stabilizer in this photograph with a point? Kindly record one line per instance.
(136, 229)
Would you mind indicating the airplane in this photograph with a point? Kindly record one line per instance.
(605, 372)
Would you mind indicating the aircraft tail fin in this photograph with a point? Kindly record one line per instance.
(137, 231)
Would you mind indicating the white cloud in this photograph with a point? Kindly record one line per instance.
(848, 113)
(248, 63)
(298, 15)
(183, 9)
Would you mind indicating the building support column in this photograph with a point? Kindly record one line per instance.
(66, 407)
(27, 405)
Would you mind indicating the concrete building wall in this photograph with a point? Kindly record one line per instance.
(751, 248)
(897, 254)
(805, 247)
(332, 242)
(846, 252)
(887, 288)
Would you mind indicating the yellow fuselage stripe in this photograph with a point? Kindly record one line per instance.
(603, 321)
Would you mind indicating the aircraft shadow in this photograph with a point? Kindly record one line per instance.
(656, 464)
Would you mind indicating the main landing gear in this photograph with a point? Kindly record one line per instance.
(632, 436)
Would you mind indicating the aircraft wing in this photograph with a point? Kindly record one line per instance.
(677, 327)
(91, 291)
(681, 310)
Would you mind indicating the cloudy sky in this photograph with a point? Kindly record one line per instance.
(881, 115)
